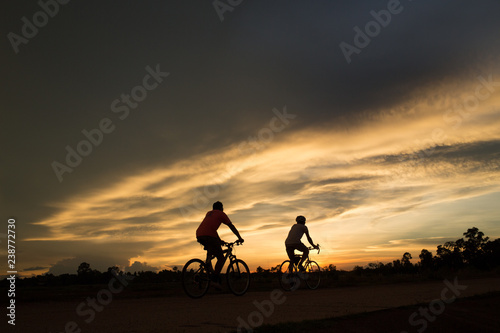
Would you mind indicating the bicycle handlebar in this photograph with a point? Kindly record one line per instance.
(231, 244)
(314, 248)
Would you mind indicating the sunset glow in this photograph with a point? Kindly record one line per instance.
(369, 194)
(392, 149)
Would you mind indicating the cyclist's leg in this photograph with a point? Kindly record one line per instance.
(305, 253)
(220, 261)
(214, 249)
(208, 245)
(208, 262)
(217, 252)
(290, 251)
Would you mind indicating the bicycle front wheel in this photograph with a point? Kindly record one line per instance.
(195, 279)
(287, 277)
(238, 277)
(313, 275)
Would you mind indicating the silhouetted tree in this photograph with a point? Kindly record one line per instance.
(275, 268)
(473, 247)
(426, 260)
(114, 268)
(358, 270)
(406, 259)
(109, 274)
(86, 275)
(388, 268)
(449, 255)
(492, 253)
(397, 266)
(83, 269)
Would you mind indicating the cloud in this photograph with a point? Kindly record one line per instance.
(331, 178)
(65, 256)
(406, 243)
(36, 268)
(141, 267)
(69, 265)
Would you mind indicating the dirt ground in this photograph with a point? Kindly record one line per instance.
(225, 312)
(480, 314)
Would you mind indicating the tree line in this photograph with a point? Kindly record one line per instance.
(472, 250)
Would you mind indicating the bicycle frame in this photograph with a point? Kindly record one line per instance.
(228, 254)
(289, 274)
(307, 261)
(196, 274)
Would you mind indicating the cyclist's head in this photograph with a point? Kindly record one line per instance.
(217, 206)
(300, 219)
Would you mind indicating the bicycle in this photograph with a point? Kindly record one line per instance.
(196, 278)
(290, 276)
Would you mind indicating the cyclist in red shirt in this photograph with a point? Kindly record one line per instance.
(207, 235)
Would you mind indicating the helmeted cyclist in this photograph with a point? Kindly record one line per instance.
(293, 241)
(207, 235)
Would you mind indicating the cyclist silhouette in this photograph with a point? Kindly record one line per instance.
(293, 242)
(207, 235)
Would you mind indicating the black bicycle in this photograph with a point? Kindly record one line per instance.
(289, 274)
(196, 278)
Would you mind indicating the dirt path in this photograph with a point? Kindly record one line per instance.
(225, 312)
(466, 315)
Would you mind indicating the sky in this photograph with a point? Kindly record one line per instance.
(123, 121)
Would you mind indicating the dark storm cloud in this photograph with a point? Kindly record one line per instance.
(478, 156)
(485, 151)
(344, 180)
(36, 268)
(224, 75)
(426, 41)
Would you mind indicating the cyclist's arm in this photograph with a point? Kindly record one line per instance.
(231, 226)
(235, 231)
(309, 239)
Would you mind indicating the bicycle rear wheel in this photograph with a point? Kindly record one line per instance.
(287, 276)
(195, 279)
(238, 277)
(313, 275)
